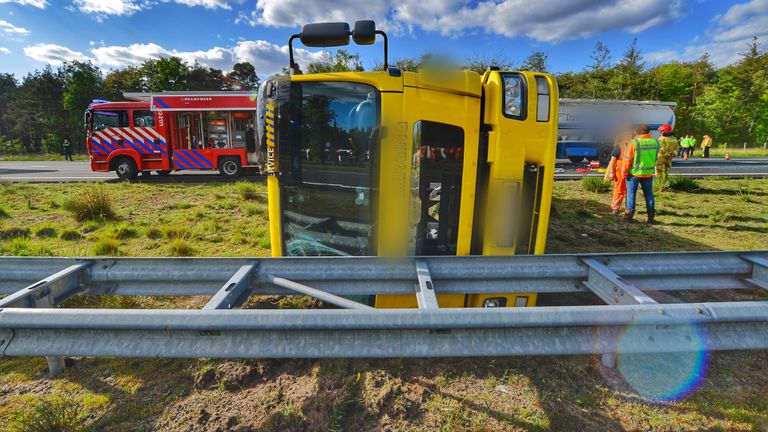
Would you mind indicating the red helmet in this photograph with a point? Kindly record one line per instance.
(665, 129)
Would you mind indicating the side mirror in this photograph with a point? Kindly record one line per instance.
(325, 34)
(364, 32)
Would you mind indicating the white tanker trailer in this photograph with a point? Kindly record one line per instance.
(587, 127)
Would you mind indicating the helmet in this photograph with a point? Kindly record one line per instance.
(665, 129)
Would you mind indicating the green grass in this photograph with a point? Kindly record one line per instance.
(595, 184)
(39, 157)
(106, 247)
(92, 204)
(532, 394)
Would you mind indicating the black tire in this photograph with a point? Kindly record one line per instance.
(604, 155)
(576, 159)
(163, 173)
(125, 168)
(230, 167)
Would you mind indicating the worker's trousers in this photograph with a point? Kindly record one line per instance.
(619, 192)
(634, 183)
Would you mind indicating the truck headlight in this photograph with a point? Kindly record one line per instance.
(495, 302)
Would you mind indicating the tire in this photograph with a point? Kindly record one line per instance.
(163, 173)
(230, 167)
(125, 168)
(604, 155)
(576, 159)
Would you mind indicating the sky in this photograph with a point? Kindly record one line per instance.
(218, 33)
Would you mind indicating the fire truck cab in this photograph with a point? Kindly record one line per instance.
(174, 131)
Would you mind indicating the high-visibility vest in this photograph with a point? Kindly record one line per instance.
(684, 142)
(646, 151)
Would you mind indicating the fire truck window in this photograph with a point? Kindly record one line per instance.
(438, 161)
(328, 169)
(143, 119)
(109, 119)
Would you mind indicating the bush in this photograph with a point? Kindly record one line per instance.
(107, 247)
(248, 190)
(93, 204)
(595, 184)
(679, 184)
(123, 231)
(46, 232)
(70, 235)
(51, 415)
(180, 248)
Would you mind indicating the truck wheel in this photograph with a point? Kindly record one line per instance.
(604, 155)
(126, 169)
(163, 173)
(576, 159)
(230, 167)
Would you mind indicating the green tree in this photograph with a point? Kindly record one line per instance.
(166, 74)
(201, 78)
(244, 76)
(83, 83)
(536, 62)
(480, 63)
(8, 89)
(38, 108)
(343, 61)
(601, 58)
(119, 81)
(627, 82)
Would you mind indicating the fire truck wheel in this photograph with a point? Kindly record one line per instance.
(604, 155)
(126, 168)
(576, 159)
(230, 167)
(163, 173)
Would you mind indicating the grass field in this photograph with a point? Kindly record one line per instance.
(536, 394)
(39, 157)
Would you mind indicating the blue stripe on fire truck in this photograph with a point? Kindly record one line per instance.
(160, 102)
(187, 159)
(194, 154)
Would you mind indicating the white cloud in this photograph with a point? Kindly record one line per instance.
(53, 54)
(727, 37)
(4, 50)
(7, 27)
(543, 20)
(36, 3)
(104, 8)
(266, 57)
(208, 4)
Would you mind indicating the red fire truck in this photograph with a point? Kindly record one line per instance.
(174, 131)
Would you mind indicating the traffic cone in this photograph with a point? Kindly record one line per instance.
(727, 156)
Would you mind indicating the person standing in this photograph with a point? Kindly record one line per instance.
(67, 150)
(668, 148)
(617, 168)
(706, 143)
(694, 141)
(643, 152)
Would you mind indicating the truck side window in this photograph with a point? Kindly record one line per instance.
(438, 162)
(143, 119)
(109, 119)
(514, 99)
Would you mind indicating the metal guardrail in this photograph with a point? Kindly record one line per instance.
(630, 321)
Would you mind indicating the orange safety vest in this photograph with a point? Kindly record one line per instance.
(624, 162)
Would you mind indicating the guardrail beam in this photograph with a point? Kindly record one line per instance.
(610, 287)
(50, 291)
(231, 295)
(425, 290)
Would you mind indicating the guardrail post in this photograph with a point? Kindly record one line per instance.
(759, 271)
(425, 290)
(231, 294)
(612, 289)
(47, 293)
(316, 293)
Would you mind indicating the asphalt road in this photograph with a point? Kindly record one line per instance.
(79, 171)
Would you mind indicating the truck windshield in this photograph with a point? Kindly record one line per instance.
(326, 147)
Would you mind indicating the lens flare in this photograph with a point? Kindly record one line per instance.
(670, 374)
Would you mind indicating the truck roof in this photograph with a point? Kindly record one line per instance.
(119, 105)
(616, 102)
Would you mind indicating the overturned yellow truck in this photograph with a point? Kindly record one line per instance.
(393, 163)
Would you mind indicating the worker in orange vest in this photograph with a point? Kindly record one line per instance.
(644, 153)
(617, 168)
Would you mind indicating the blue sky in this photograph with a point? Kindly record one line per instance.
(218, 33)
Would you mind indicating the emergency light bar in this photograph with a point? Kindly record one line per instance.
(337, 34)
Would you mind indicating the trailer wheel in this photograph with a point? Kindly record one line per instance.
(163, 173)
(230, 167)
(576, 159)
(126, 169)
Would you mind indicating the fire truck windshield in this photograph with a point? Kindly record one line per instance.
(327, 141)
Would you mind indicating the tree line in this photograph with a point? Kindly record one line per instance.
(46, 107)
(730, 103)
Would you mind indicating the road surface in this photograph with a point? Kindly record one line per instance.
(79, 171)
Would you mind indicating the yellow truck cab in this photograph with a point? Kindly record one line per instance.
(393, 163)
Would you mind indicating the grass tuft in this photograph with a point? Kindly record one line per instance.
(175, 232)
(53, 414)
(107, 247)
(4, 213)
(595, 184)
(180, 248)
(154, 234)
(14, 232)
(247, 190)
(679, 184)
(46, 232)
(70, 235)
(123, 231)
(91, 205)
